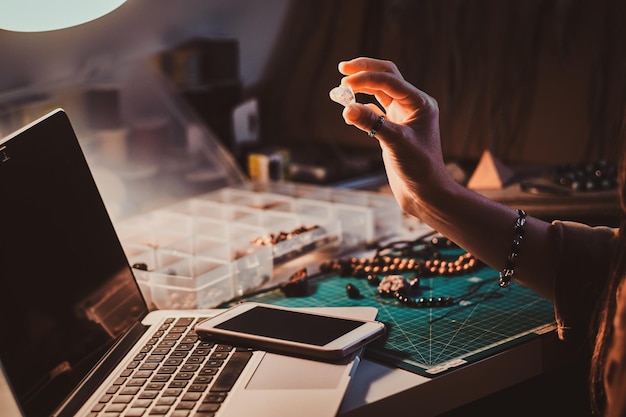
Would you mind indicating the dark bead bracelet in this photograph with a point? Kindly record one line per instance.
(509, 269)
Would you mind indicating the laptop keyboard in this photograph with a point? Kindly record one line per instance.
(175, 374)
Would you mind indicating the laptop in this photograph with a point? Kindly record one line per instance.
(77, 337)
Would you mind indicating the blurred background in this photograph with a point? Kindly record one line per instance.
(533, 83)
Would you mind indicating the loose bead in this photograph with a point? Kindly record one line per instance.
(141, 266)
(352, 291)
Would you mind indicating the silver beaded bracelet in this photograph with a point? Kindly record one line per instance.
(509, 269)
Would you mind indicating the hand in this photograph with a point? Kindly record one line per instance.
(419, 180)
(409, 138)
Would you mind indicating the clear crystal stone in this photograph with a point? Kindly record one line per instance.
(342, 95)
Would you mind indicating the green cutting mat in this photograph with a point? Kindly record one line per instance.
(484, 319)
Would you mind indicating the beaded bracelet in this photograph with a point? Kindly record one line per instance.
(507, 272)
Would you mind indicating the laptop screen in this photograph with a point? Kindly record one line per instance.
(67, 290)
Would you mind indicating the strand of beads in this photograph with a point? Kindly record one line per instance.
(362, 267)
(401, 260)
(422, 302)
(400, 288)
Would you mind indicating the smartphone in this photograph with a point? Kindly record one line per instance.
(290, 331)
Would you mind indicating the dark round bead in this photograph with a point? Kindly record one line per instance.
(352, 291)
(384, 293)
(296, 285)
(591, 185)
(141, 266)
(359, 271)
(326, 267)
(402, 298)
(345, 268)
(373, 279)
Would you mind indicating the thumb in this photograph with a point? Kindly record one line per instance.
(367, 118)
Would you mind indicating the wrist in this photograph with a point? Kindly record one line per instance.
(434, 196)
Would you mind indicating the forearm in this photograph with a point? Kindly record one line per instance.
(486, 229)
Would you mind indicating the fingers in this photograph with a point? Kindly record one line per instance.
(403, 104)
(366, 82)
(367, 64)
(382, 79)
(385, 86)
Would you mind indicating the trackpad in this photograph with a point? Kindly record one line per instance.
(286, 372)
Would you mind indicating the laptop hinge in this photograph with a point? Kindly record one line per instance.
(101, 371)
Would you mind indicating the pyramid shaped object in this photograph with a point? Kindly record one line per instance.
(490, 174)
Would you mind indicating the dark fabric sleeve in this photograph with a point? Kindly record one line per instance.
(615, 382)
(582, 265)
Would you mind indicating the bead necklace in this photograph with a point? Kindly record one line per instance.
(395, 265)
(397, 258)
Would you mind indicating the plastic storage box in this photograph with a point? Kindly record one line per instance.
(203, 251)
(207, 249)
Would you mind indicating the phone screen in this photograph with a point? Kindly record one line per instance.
(290, 325)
